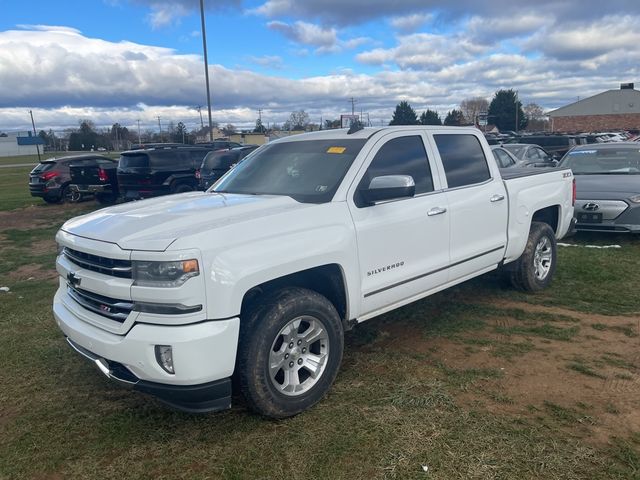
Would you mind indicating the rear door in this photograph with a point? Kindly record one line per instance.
(403, 244)
(477, 200)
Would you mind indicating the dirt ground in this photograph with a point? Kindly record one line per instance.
(603, 398)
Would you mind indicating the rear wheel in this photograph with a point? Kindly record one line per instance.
(182, 188)
(536, 266)
(289, 353)
(70, 196)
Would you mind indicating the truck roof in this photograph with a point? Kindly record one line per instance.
(367, 132)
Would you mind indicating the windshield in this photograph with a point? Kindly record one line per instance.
(134, 161)
(308, 171)
(603, 161)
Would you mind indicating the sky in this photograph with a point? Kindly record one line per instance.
(136, 60)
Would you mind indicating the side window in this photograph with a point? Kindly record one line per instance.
(502, 158)
(401, 156)
(463, 159)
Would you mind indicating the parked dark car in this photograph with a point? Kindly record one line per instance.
(51, 178)
(553, 144)
(530, 155)
(220, 144)
(98, 177)
(159, 171)
(607, 186)
(217, 163)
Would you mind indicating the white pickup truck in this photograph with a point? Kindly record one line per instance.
(258, 277)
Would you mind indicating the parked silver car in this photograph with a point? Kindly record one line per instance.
(608, 186)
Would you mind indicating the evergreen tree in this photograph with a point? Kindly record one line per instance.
(404, 115)
(454, 117)
(503, 108)
(430, 117)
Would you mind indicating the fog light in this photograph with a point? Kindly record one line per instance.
(164, 357)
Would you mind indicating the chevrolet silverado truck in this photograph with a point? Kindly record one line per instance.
(257, 278)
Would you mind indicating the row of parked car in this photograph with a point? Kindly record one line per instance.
(149, 171)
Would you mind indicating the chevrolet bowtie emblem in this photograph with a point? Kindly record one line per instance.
(73, 279)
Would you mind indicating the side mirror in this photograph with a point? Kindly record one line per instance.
(388, 187)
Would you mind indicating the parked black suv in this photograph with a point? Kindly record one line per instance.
(98, 177)
(554, 144)
(217, 163)
(51, 178)
(159, 171)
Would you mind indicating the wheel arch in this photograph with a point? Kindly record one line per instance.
(549, 215)
(327, 280)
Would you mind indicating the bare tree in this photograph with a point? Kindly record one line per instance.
(471, 107)
(537, 120)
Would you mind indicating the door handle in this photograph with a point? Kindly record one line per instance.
(497, 198)
(436, 211)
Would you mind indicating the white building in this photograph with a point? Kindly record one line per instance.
(19, 143)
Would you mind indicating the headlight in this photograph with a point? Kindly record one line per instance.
(635, 199)
(164, 274)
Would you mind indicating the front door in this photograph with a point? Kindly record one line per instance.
(403, 244)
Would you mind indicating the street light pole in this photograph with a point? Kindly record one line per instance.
(33, 124)
(206, 68)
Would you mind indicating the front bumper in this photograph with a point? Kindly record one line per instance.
(204, 356)
(207, 397)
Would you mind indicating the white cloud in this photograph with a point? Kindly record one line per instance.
(410, 23)
(269, 61)
(423, 51)
(306, 33)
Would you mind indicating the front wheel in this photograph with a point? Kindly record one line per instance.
(290, 352)
(536, 266)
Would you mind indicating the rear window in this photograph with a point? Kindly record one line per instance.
(134, 161)
(220, 160)
(43, 167)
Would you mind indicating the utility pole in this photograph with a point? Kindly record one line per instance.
(353, 105)
(199, 109)
(160, 127)
(206, 68)
(35, 134)
(139, 141)
(517, 111)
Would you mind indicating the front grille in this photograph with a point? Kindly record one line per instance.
(111, 308)
(107, 266)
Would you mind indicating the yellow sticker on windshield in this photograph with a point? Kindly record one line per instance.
(336, 149)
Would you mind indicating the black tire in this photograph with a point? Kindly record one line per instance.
(535, 268)
(67, 195)
(106, 198)
(51, 200)
(183, 188)
(261, 331)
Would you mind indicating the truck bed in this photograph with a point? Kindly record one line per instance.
(519, 172)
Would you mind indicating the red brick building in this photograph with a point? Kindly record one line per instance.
(610, 110)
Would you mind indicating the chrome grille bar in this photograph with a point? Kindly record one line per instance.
(111, 308)
(104, 265)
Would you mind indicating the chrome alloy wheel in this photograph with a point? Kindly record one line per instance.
(542, 258)
(299, 355)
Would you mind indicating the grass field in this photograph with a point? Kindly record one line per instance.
(475, 382)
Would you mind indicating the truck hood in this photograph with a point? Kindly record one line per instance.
(607, 187)
(154, 224)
